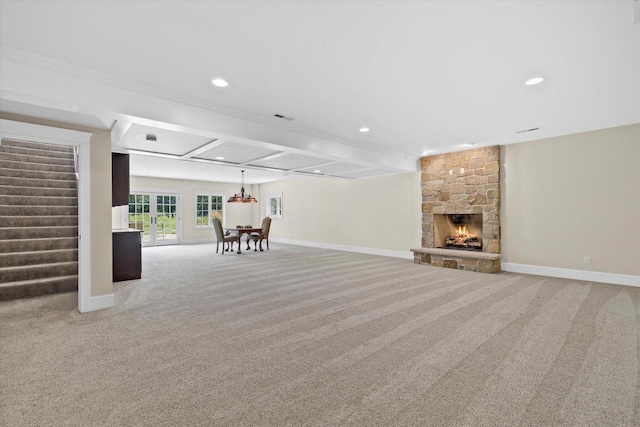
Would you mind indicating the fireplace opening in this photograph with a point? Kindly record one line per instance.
(458, 231)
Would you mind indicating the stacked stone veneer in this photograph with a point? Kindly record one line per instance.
(474, 191)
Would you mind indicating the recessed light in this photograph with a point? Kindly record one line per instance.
(534, 81)
(219, 158)
(364, 130)
(316, 171)
(220, 82)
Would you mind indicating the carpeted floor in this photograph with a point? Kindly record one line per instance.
(298, 336)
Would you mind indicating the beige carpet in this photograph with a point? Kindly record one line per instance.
(298, 336)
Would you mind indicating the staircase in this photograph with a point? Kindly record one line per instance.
(38, 220)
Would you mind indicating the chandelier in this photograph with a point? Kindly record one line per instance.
(242, 198)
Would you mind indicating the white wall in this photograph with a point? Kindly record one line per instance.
(378, 212)
(573, 196)
(101, 242)
(235, 213)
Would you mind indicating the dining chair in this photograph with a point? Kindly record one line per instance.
(262, 235)
(221, 238)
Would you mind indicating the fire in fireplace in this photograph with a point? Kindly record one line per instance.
(462, 239)
(458, 231)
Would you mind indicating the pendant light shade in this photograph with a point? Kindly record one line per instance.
(242, 198)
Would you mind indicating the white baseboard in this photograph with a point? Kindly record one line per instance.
(197, 241)
(202, 241)
(565, 273)
(359, 249)
(97, 303)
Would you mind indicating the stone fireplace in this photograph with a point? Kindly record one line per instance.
(461, 210)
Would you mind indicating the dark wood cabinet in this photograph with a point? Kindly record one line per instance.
(119, 179)
(127, 255)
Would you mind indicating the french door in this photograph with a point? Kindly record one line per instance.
(157, 215)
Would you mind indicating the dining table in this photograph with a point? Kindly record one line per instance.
(239, 231)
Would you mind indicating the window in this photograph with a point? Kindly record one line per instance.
(208, 206)
(274, 206)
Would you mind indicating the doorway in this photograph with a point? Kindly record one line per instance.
(157, 215)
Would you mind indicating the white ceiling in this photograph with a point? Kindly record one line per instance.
(424, 76)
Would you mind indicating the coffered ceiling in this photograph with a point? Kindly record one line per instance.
(423, 76)
(214, 155)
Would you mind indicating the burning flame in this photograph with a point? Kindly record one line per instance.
(463, 231)
(462, 238)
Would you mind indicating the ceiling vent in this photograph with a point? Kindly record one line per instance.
(527, 130)
(151, 138)
(283, 117)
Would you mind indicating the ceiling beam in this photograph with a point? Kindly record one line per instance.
(351, 171)
(154, 154)
(265, 158)
(319, 165)
(117, 132)
(203, 148)
(232, 165)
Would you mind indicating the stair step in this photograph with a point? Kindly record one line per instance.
(40, 167)
(44, 244)
(9, 190)
(38, 221)
(23, 173)
(35, 152)
(26, 210)
(38, 287)
(37, 271)
(37, 182)
(38, 159)
(12, 259)
(10, 233)
(37, 146)
(38, 200)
